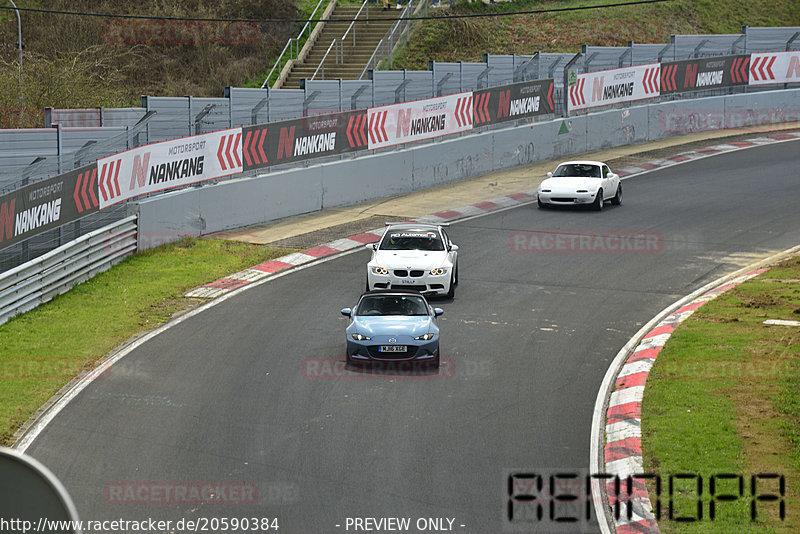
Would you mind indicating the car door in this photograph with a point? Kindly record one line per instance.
(608, 188)
(612, 182)
(448, 245)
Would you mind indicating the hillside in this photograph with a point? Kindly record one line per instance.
(86, 61)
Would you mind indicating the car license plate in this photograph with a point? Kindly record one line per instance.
(392, 348)
(408, 281)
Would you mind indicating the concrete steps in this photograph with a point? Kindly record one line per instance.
(368, 35)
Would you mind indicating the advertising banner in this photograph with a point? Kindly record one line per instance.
(513, 101)
(606, 87)
(47, 204)
(775, 67)
(298, 139)
(168, 165)
(421, 119)
(704, 73)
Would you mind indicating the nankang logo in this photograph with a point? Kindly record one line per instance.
(176, 170)
(618, 90)
(315, 143)
(523, 106)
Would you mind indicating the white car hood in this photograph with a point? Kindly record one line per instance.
(570, 184)
(415, 259)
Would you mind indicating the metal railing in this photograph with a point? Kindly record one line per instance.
(336, 46)
(391, 40)
(38, 281)
(293, 44)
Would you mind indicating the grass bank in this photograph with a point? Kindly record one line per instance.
(724, 398)
(42, 350)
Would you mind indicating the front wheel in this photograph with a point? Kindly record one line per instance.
(598, 201)
(452, 291)
(541, 204)
(617, 200)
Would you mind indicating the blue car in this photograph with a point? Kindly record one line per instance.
(393, 326)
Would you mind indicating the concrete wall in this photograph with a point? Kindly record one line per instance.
(248, 201)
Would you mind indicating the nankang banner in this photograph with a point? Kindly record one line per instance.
(47, 204)
(513, 101)
(421, 119)
(168, 164)
(775, 67)
(606, 87)
(704, 73)
(298, 139)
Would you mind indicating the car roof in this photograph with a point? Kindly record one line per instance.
(412, 226)
(392, 292)
(581, 162)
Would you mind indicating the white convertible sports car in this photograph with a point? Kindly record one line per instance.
(414, 256)
(580, 182)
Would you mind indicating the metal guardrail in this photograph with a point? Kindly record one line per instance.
(38, 281)
(293, 44)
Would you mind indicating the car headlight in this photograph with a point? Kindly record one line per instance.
(380, 270)
(440, 270)
(425, 337)
(360, 337)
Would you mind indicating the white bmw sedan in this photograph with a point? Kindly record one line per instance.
(414, 256)
(580, 183)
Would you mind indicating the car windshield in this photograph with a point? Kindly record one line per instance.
(392, 305)
(412, 240)
(577, 169)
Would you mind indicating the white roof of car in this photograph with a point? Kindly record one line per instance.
(581, 162)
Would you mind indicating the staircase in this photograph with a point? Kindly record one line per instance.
(367, 35)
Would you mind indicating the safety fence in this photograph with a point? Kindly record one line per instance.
(36, 154)
(38, 281)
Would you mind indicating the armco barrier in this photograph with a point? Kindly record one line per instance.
(38, 281)
(276, 195)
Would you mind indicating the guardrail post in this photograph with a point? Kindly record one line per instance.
(78, 157)
(400, 89)
(198, 120)
(484, 77)
(254, 112)
(310, 98)
(441, 83)
(356, 94)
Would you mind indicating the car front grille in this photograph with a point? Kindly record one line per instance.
(563, 199)
(417, 273)
(402, 273)
(410, 287)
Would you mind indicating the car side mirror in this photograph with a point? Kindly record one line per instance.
(347, 312)
(437, 312)
(549, 174)
(612, 176)
(454, 248)
(371, 246)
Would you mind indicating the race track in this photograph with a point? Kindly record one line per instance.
(241, 393)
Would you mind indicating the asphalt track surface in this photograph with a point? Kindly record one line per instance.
(229, 394)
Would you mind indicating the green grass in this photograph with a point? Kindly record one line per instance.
(724, 397)
(452, 39)
(42, 350)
